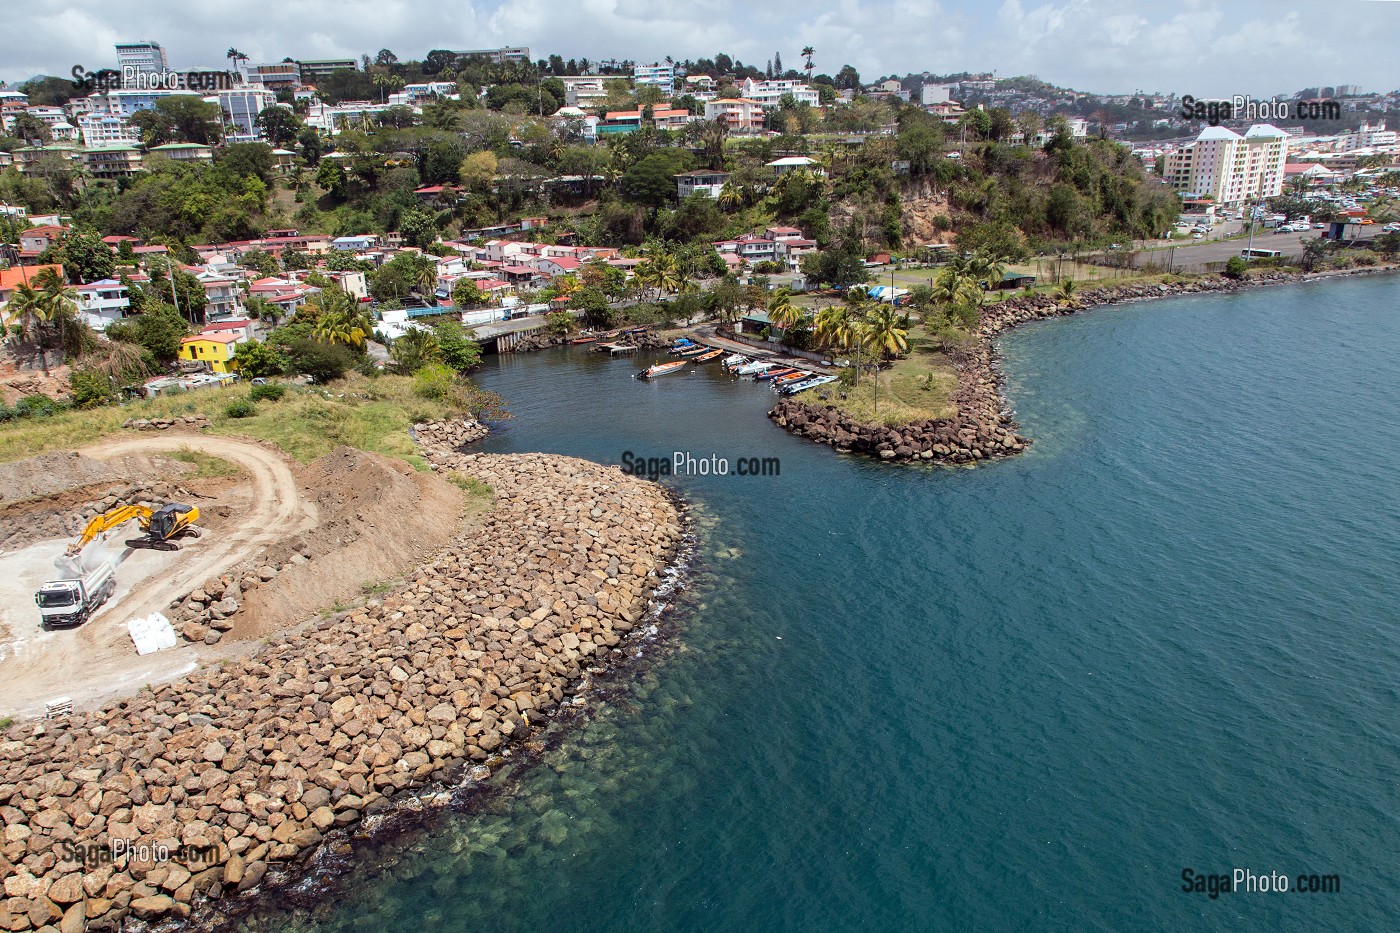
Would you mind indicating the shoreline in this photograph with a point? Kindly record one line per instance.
(380, 837)
(983, 428)
(265, 765)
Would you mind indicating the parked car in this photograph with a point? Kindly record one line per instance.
(1198, 236)
(1319, 226)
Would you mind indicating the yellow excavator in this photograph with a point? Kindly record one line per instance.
(161, 526)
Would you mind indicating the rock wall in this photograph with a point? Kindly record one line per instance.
(448, 435)
(251, 764)
(165, 424)
(983, 428)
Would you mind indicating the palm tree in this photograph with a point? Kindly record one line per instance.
(730, 199)
(984, 268)
(1065, 292)
(26, 308)
(57, 299)
(783, 313)
(884, 332)
(425, 278)
(807, 53)
(953, 288)
(338, 327)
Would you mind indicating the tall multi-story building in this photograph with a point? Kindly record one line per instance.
(241, 106)
(144, 57)
(662, 76)
(313, 69)
(771, 93)
(106, 129)
(276, 75)
(125, 102)
(1365, 136)
(1230, 168)
(500, 56)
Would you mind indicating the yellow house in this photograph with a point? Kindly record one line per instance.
(215, 350)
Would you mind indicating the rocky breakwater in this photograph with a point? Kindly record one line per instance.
(983, 428)
(448, 435)
(222, 782)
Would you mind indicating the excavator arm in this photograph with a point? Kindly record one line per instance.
(107, 521)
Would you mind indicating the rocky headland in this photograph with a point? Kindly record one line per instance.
(983, 428)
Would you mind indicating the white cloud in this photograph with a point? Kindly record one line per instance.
(1193, 46)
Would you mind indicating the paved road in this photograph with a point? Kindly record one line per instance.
(1290, 244)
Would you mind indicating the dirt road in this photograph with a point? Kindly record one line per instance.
(98, 661)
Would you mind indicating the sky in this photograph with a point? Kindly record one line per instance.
(1206, 48)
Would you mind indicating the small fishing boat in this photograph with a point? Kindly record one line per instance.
(694, 351)
(774, 373)
(661, 369)
(795, 376)
(682, 342)
(707, 357)
(588, 338)
(802, 385)
(734, 360)
(758, 366)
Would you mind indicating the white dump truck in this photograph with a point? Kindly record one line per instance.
(68, 603)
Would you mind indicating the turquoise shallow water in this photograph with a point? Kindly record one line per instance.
(1021, 697)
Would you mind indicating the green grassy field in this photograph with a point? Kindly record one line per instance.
(371, 414)
(914, 388)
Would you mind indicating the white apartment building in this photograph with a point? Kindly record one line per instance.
(125, 102)
(144, 57)
(739, 113)
(500, 56)
(657, 75)
(1366, 136)
(241, 106)
(105, 129)
(769, 93)
(934, 94)
(1230, 168)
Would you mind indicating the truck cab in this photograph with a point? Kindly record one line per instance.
(69, 603)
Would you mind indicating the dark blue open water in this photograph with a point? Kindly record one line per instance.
(1019, 698)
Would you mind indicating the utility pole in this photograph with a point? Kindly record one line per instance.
(175, 295)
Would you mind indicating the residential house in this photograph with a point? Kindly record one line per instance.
(242, 328)
(37, 239)
(223, 297)
(558, 265)
(102, 302)
(790, 250)
(215, 350)
(794, 163)
(284, 160)
(770, 93)
(10, 279)
(707, 182)
(749, 248)
(620, 121)
(440, 197)
(740, 114)
(355, 244)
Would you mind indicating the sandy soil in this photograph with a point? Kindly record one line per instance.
(98, 661)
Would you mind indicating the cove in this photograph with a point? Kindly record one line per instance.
(1022, 697)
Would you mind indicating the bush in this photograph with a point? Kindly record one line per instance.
(323, 362)
(90, 389)
(270, 391)
(7, 413)
(1236, 268)
(240, 408)
(434, 381)
(37, 406)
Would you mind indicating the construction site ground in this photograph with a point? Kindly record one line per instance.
(364, 519)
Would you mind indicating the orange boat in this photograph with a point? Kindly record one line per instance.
(793, 376)
(706, 357)
(584, 339)
(661, 369)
